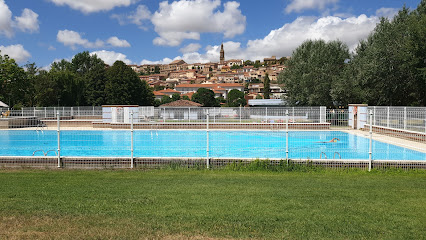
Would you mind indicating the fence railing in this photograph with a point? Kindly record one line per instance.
(277, 142)
(401, 118)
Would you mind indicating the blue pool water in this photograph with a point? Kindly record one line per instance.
(238, 144)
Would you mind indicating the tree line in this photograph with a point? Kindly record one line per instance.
(85, 80)
(387, 68)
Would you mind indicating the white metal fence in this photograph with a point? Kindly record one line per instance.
(155, 136)
(402, 118)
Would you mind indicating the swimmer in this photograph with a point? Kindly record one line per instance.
(331, 141)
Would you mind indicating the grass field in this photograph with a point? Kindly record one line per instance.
(221, 204)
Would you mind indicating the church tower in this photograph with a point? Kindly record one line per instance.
(222, 55)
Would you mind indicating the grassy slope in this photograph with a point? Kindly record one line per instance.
(215, 204)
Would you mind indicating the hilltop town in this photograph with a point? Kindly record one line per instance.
(220, 77)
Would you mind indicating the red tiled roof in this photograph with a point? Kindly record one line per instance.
(209, 85)
(169, 91)
(158, 93)
(181, 103)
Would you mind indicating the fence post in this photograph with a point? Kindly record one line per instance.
(387, 123)
(34, 111)
(286, 135)
(370, 152)
(164, 115)
(266, 114)
(374, 115)
(72, 111)
(78, 111)
(22, 111)
(208, 145)
(189, 114)
(240, 114)
(131, 139)
(214, 114)
(405, 118)
(45, 112)
(93, 113)
(59, 138)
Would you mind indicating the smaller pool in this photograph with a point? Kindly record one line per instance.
(174, 143)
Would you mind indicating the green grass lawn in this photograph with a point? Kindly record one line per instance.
(220, 204)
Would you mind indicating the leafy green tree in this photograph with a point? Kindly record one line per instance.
(175, 96)
(92, 70)
(236, 66)
(266, 87)
(388, 67)
(185, 97)
(123, 86)
(248, 63)
(257, 64)
(157, 70)
(235, 98)
(14, 85)
(258, 96)
(205, 97)
(166, 99)
(312, 69)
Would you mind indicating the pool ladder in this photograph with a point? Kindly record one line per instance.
(334, 155)
(45, 153)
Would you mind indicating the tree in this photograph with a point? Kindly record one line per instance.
(313, 68)
(235, 98)
(266, 87)
(175, 96)
(14, 85)
(388, 68)
(92, 69)
(248, 63)
(157, 70)
(185, 97)
(166, 99)
(257, 64)
(123, 86)
(205, 97)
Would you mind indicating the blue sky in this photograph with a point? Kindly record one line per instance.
(148, 31)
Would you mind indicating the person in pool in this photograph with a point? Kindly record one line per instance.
(331, 141)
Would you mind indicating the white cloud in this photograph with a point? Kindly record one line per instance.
(299, 5)
(163, 61)
(28, 21)
(73, 39)
(51, 48)
(109, 57)
(138, 17)
(5, 20)
(192, 47)
(16, 52)
(89, 6)
(115, 42)
(387, 12)
(283, 41)
(186, 19)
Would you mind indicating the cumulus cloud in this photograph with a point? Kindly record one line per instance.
(16, 52)
(74, 39)
(163, 61)
(387, 12)
(184, 19)
(28, 21)
(299, 5)
(115, 42)
(283, 41)
(91, 6)
(109, 57)
(138, 17)
(5, 20)
(192, 47)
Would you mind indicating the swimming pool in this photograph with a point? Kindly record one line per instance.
(222, 144)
